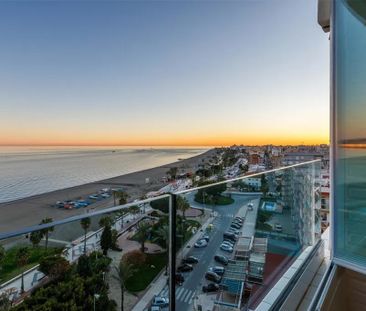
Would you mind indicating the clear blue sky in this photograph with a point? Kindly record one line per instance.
(169, 72)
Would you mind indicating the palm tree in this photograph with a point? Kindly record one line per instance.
(142, 234)
(124, 272)
(45, 232)
(85, 224)
(134, 210)
(162, 235)
(35, 237)
(121, 195)
(183, 205)
(105, 221)
(22, 260)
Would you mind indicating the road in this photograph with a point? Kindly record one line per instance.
(196, 279)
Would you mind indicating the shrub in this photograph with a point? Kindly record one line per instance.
(54, 266)
(161, 205)
(136, 258)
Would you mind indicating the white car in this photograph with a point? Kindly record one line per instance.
(160, 301)
(227, 243)
(200, 243)
(226, 248)
(278, 228)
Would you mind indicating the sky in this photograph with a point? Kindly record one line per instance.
(207, 73)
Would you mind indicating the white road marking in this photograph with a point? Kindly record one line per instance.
(186, 299)
(177, 295)
(192, 297)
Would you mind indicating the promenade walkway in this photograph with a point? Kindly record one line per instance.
(33, 277)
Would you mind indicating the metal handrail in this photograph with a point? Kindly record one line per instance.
(30, 229)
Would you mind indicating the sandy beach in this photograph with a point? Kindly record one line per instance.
(30, 211)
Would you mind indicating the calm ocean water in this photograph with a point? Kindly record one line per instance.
(26, 171)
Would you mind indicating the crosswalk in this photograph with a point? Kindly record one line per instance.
(184, 295)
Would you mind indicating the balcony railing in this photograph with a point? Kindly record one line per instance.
(221, 244)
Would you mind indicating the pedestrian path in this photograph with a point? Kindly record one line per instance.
(183, 295)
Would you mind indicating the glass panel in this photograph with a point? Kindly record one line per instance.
(86, 263)
(237, 238)
(350, 132)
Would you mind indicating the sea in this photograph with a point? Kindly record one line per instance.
(27, 171)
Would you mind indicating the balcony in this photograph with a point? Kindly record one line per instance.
(171, 250)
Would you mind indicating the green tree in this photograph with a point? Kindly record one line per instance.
(84, 267)
(183, 205)
(54, 266)
(124, 271)
(85, 224)
(172, 172)
(264, 185)
(143, 231)
(134, 210)
(210, 194)
(2, 256)
(22, 260)
(162, 237)
(121, 196)
(35, 237)
(105, 221)
(106, 240)
(2, 253)
(45, 232)
(5, 303)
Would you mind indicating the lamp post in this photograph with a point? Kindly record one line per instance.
(95, 297)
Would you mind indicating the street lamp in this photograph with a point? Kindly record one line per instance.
(95, 297)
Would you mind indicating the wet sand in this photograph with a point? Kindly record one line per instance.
(30, 211)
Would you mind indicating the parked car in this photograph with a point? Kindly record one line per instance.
(179, 278)
(206, 237)
(278, 228)
(93, 197)
(233, 230)
(160, 301)
(60, 204)
(200, 243)
(185, 268)
(231, 236)
(217, 269)
(155, 308)
(190, 260)
(221, 259)
(241, 218)
(212, 276)
(228, 242)
(211, 287)
(237, 221)
(235, 225)
(226, 248)
(250, 205)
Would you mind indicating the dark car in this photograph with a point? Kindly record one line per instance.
(221, 259)
(212, 287)
(179, 278)
(185, 268)
(231, 236)
(212, 276)
(218, 270)
(235, 225)
(190, 259)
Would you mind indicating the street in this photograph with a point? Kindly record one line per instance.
(194, 280)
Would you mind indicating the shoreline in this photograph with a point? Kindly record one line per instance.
(31, 210)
